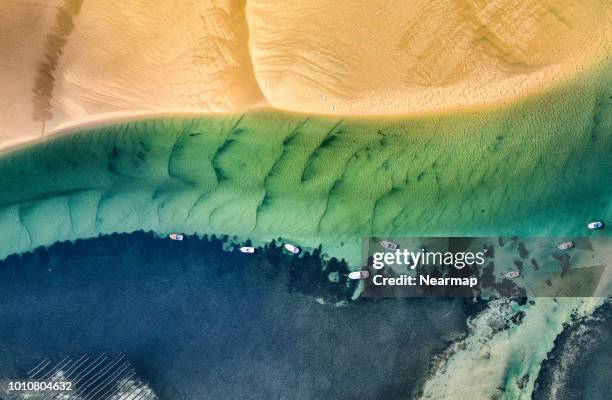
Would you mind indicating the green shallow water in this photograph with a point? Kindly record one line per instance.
(541, 167)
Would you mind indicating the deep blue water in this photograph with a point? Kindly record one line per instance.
(200, 323)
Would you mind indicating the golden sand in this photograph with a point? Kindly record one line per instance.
(403, 57)
(73, 61)
(69, 61)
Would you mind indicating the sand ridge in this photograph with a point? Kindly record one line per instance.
(382, 57)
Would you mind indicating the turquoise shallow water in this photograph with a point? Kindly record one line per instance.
(314, 180)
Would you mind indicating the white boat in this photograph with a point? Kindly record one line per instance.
(247, 249)
(595, 225)
(565, 245)
(389, 245)
(176, 236)
(512, 274)
(358, 275)
(291, 248)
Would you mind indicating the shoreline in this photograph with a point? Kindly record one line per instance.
(497, 106)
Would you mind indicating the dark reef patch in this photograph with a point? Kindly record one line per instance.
(580, 364)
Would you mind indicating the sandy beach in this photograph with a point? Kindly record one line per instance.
(73, 62)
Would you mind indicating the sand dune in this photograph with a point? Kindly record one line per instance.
(389, 57)
(73, 61)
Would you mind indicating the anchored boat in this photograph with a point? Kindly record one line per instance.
(291, 248)
(512, 274)
(389, 245)
(595, 225)
(359, 275)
